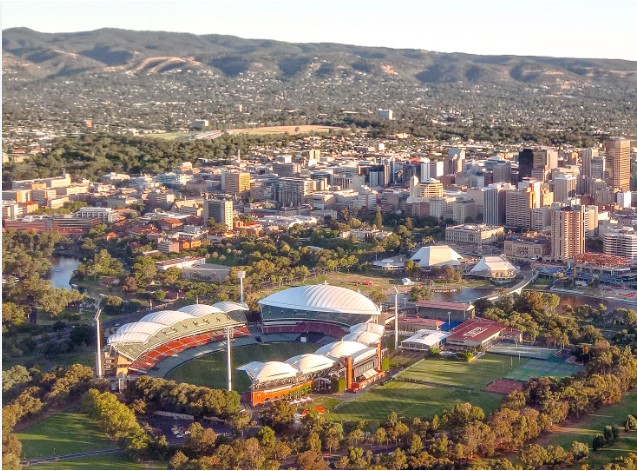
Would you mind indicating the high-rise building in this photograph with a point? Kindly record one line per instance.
(220, 210)
(502, 172)
(622, 242)
(428, 189)
(587, 155)
(518, 207)
(495, 204)
(235, 183)
(564, 187)
(568, 233)
(525, 164)
(545, 158)
(618, 162)
(292, 191)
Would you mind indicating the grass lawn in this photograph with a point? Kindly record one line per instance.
(410, 400)
(83, 357)
(537, 368)
(61, 434)
(293, 129)
(210, 370)
(476, 374)
(584, 430)
(117, 460)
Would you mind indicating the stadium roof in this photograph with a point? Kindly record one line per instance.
(493, 266)
(229, 306)
(368, 327)
(165, 317)
(324, 298)
(260, 372)
(342, 348)
(367, 338)
(310, 363)
(436, 256)
(199, 310)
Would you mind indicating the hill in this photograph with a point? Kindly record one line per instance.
(33, 55)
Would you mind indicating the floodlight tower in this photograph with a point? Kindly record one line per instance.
(395, 318)
(229, 356)
(241, 274)
(99, 340)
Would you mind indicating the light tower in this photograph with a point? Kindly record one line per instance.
(99, 341)
(241, 274)
(229, 356)
(395, 318)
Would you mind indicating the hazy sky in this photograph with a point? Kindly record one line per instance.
(567, 28)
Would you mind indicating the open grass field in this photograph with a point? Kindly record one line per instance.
(474, 375)
(536, 368)
(410, 400)
(210, 370)
(116, 460)
(584, 430)
(62, 434)
(300, 129)
(82, 356)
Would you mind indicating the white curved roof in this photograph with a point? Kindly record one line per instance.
(488, 265)
(323, 298)
(367, 338)
(260, 372)
(199, 310)
(310, 362)
(129, 337)
(141, 328)
(229, 306)
(166, 317)
(342, 348)
(368, 327)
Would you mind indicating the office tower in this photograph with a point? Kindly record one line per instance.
(425, 169)
(428, 189)
(568, 232)
(587, 155)
(541, 218)
(525, 164)
(220, 210)
(286, 169)
(545, 158)
(495, 204)
(235, 183)
(455, 161)
(292, 191)
(536, 188)
(518, 207)
(633, 173)
(502, 172)
(564, 187)
(618, 162)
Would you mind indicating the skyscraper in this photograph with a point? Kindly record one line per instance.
(568, 231)
(235, 183)
(525, 164)
(565, 187)
(518, 207)
(220, 210)
(618, 162)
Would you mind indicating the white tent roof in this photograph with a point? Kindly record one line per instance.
(436, 256)
(367, 338)
(493, 265)
(310, 363)
(368, 327)
(199, 310)
(323, 298)
(427, 337)
(260, 372)
(128, 337)
(342, 348)
(165, 317)
(229, 306)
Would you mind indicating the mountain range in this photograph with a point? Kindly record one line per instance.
(31, 55)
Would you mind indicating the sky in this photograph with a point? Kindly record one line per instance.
(559, 28)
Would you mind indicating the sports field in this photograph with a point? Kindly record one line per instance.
(584, 430)
(116, 460)
(538, 368)
(210, 370)
(62, 434)
(523, 351)
(410, 400)
(474, 375)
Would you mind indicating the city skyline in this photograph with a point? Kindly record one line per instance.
(537, 28)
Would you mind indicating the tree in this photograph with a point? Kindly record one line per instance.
(178, 461)
(311, 460)
(415, 446)
(421, 293)
(598, 442)
(314, 442)
(279, 416)
(629, 424)
(378, 220)
(397, 460)
(377, 297)
(266, 437)
(533, 456)
(579, 451)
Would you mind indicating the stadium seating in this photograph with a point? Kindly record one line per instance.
(307, 327)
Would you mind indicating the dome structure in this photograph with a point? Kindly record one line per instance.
(342, 348)
(260, 372)
(166, 317)
(229, 306)
(323, 298)
(199, 310)
(367, 338)
(310, 363)
(368, 327)
(127, 337)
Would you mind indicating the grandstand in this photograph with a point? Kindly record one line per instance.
(137, 347)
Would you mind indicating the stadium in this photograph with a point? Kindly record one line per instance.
(323, 309)
(137, 347)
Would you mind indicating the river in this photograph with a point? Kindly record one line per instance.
(62, 271)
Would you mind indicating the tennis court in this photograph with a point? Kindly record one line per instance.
(524, 351)
(537, 368)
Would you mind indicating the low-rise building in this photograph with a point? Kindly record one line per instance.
(474, 234)
(530, 246)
